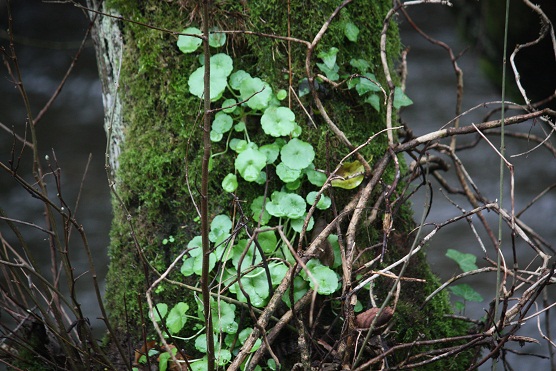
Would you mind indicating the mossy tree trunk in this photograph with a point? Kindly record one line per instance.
(156, 142)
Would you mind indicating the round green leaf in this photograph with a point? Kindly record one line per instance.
(300, 287)
(221, 224)
(286, 174)
(267, 241)
(196, 242)
(188, 44)
(297, 154)
(237, 78)
(281, 94)
(221, 65)
(292, 186)
(216, 136)
(278, 121)
(224, 316)
(217, 39)
(255, 284)
(316, 178)
(324, 201)
(177, 318)
(285, 204)
(257, 208)
(325, 277)
(223, 357)
(239, 127)
(297, 224)
(249, 163)
(261, 179)
(277, 272)
(244, 334)
(230, 183)
(217, 84)
(229, 105)
(222, 123)
(201, 343)
(256, 92)
(238, 145)
(160, 311)
(271, 152)
(194, 262)
(296, 132)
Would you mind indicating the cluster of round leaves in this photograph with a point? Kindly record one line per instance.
(249, 269)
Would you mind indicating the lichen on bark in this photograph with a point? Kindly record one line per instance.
(160, 156)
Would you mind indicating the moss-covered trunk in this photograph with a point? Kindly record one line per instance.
(156, 156)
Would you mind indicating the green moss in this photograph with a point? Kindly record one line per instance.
(162, 144)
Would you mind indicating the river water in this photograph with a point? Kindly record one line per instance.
(73, 127)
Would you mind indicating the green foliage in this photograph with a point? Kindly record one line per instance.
(251, 271)
(365, 83)
(467, 263)
(162, 119)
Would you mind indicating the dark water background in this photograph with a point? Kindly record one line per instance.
(48, 37)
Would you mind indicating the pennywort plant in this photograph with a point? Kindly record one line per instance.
(246, 266)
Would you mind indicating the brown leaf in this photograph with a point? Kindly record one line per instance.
(364, 319)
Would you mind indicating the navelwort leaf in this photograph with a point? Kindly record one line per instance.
(256, 92)
(249, 164)
(220, 225)
(224, 316)
(325, 277)
(286, 174)
(297, 154)
(222, 122)
(324, 201)
(194, 262)
(177, 318)
(237, 78)
(289, 205)
(217, 39)
(278, 121)
(229, 183)
(188, 44)
(160, 311)
(271, 152)
(297, 224)
(316, 178)
(244, 334)
(255, 285)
